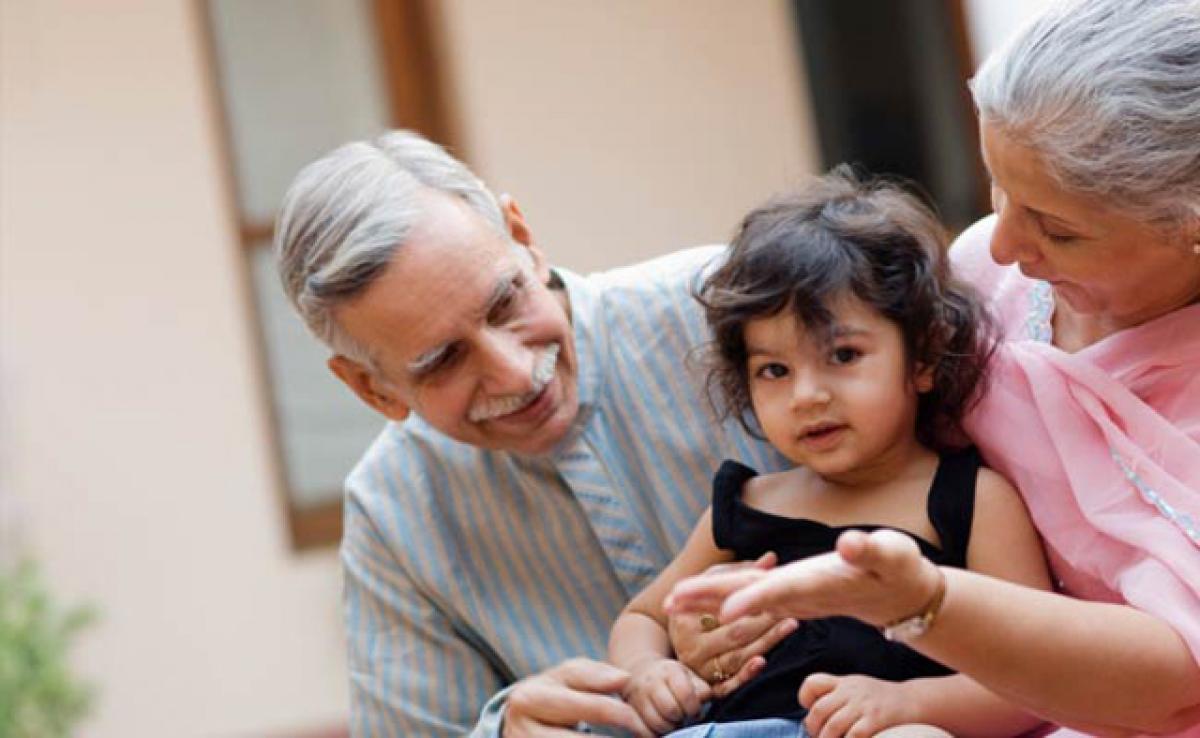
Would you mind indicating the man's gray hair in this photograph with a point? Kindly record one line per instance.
(345, 215)
(1107, 92)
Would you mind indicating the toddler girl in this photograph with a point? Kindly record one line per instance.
(840, 336)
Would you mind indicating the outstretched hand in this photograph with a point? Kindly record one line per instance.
(876, 577)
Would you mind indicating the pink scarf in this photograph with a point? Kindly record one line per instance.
(1104, 444)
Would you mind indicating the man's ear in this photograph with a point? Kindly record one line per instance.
(514, 220)
(369, 388)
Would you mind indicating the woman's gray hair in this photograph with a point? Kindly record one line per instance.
(345, 215)
(1107, 92)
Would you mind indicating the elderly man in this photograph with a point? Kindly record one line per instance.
(550, 450)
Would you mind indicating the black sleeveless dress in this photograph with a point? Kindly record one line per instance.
(837, 645)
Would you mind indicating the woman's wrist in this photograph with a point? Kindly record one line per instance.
(916, 592)
(909, 627)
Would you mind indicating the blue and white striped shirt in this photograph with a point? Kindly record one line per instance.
(468, 569)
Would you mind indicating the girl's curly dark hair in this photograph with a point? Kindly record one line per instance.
(847, 234)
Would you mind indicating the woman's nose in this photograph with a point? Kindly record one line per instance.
(1011, 243)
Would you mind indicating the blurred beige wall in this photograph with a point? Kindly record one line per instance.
(133, 437)
(630, 128)
(133, 432)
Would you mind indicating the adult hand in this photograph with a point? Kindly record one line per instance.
(853, 706)
(665, 692)
(876, 577)
(731, 654)
(553, 702)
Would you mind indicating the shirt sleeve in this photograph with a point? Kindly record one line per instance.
(411, 672)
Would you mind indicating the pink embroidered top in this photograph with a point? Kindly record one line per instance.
(1104, 443)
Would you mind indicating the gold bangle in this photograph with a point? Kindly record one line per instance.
(906, 629)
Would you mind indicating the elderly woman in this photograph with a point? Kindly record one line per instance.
(1090, 125)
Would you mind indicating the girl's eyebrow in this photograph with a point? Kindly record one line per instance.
(847, 331)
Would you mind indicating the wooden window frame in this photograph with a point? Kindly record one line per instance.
(416, 97)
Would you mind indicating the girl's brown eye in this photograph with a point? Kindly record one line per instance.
(845, 355)
(771, 370)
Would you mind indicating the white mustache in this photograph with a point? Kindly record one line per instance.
(543, 372)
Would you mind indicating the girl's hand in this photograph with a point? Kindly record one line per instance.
(729, 655)
(877, 577)
(664, 692)
(854, 706)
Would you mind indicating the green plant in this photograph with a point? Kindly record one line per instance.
(39, 695)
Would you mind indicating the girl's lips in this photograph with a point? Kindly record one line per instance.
(823, 438)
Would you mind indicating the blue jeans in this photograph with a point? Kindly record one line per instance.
(764, 728)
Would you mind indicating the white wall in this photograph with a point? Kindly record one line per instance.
(132, 432)
(991, 21)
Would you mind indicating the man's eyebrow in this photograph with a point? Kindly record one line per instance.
(502, 289)
(424, 363)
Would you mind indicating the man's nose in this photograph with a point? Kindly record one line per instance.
(507, 363)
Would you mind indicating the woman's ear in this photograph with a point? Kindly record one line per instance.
(369, 388)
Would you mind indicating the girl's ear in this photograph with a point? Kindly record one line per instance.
(923, 379)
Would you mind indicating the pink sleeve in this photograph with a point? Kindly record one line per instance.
(1003, 289)
(971, 258)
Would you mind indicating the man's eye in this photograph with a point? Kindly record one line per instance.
(844, 355)
(504, 307)
(447, 360)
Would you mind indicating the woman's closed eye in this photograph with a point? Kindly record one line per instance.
(1059, 237)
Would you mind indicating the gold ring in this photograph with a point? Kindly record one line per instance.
(719, 675)
(708, 622)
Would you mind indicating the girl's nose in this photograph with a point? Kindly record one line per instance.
(808, 391)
